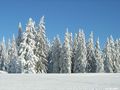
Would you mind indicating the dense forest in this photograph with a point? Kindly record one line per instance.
(31, 52)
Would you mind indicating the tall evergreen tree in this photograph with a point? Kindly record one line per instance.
(27, 48)
(117, 56)
(113, 54)
(41, 48)
(19, 38)
(80, 57)
(108, 65)
(119, 50)
(75, 45)
(91, 62)
(8, 48)
(65, 61)
(56, 50)
(98, 57)
(2, 55)
(50, 62)
(12, 67)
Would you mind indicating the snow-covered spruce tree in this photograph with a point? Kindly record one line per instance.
(75, 44)
(56, 50)
(98, 58)
(49, 58)
(108, 65)
(71, 49)
(18, 42)
(26, 49)
(41, 48)
(119, 51)
(80, 57)
(113, 54)
(8, 52)
(3, 55)
(13, 65)
(117, 56)
(91, 62)
(65, 59)
(19, 38)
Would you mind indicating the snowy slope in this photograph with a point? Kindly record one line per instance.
(60, 82)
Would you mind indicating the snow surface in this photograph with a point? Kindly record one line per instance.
(3, 72)
(60, 81)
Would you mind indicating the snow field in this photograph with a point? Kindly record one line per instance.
(60, 81)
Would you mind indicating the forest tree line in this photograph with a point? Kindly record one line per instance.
(31, 52)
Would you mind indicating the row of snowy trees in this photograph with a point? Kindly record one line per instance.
(30, 52)
(79, 56)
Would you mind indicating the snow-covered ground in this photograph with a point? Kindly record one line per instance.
(59, 81)
(2, 72)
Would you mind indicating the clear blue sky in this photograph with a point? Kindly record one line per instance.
(100, 16)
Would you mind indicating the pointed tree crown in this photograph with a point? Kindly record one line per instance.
(97, 44)
(42, 24)
(30, 25)
(90, 41)
(20, 27)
